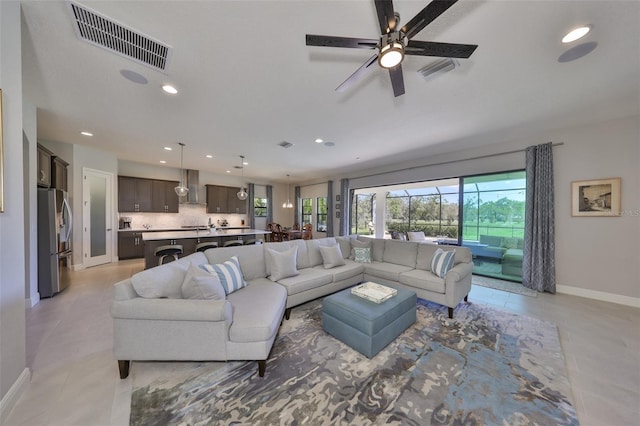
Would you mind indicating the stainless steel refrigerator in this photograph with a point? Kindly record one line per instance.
(54, 241)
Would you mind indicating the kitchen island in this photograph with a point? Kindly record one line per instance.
(189, 239)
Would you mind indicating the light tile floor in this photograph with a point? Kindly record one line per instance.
(75, 377)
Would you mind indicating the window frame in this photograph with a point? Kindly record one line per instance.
(321, 217)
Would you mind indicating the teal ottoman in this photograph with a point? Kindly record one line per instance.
(367, 326)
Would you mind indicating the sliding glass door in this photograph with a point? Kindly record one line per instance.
(493, 223)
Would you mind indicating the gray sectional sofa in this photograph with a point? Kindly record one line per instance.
(153, 321)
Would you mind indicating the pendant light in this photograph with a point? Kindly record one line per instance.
(181, 190)
(242, 194)
(288, 204)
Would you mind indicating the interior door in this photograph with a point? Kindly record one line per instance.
(97, 217)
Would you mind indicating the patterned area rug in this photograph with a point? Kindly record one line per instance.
(484, 367)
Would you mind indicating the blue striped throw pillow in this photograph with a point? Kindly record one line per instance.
(442, 261)
(229, 274)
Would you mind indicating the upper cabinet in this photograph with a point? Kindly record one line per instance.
(146, 195)
(164, 197)
(223, 199)
(44, 166)
(59, 173)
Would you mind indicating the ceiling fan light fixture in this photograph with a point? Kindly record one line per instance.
(391, 55)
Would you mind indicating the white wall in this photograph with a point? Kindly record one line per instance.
(596, 257)
(29, 123)
(14, 375)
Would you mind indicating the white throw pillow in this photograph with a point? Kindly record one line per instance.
(442, 261)
(199, 284)
(229, 274)
(416, 236)
(331, 256)
(283, 264)
(160, 282)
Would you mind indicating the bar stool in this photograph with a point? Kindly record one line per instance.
(172, 250)
(206, 245)
(252, 241)
(231, 243)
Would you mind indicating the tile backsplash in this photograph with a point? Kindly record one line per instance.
(189, 214)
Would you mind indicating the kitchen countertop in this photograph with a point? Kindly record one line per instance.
(176, 229)
(170, 235)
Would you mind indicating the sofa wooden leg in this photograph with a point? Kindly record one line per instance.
(287, 313)
(123, 366)
(450, 312)
(262, 366)
(466, 298)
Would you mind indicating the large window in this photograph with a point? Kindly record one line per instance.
(307, 211)
(431, 207)
(362, 214)
(260, 207)
(321, 214)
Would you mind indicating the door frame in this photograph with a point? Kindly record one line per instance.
(86, 219)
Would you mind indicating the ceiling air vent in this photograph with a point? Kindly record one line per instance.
(285, 144)
(118, 38)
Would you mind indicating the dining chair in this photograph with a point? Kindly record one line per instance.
(307, 232)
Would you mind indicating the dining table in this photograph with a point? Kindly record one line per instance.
(291, 234)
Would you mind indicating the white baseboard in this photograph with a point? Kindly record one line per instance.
(78, 267)
(599, 295)
(32, 301)
(13, 395)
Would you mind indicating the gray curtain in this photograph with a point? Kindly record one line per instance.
(346, 207)
(330, 212)
(297, 218)
(269, 204)
(251, 210)
(538, 263)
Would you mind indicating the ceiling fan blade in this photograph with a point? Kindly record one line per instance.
(386, 16)
(360, 72)
(332, 41)
(426, 16)
(397, 80)
(443, 50)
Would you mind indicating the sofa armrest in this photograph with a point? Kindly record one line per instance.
(123, 290)
(459, 272)
(172, 309)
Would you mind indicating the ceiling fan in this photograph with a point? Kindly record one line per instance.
(395, 43)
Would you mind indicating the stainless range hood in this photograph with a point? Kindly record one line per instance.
(193, 183)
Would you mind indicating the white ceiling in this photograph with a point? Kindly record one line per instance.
(247, 81)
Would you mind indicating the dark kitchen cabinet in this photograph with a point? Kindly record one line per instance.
(146, 195)
(164, 198)
(130, 245)
(224, 199)
(44, 166)
(59, 173)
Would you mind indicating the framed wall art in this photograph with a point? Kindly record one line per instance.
(598, 197)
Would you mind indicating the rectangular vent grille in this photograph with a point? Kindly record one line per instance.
(113, 36)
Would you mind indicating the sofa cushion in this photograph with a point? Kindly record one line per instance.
(345, 244)
(331, 256)
(357, 243)
(424, 280)
(165, 281)
(199, 284)
(308, 279)
(442, 261)
(313, 249)
(377, 247)
(282, 264)
(349, 270)
(229, 274)
(425, 254)
(402, 253)
(250, 257)
(362, 254)
(388, 271)
(257, 311)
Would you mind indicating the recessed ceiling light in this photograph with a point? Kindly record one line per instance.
(134, 76)
(244, 163)
(576, 34)
(86, 133)
(319, 140)
(228, 171)
(209, 156)
(169, 89)
(168, 148)
(163, 162)
(329, 144)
